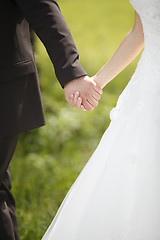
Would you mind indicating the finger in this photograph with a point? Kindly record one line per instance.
(76, 98)
(71, 98)
(92, 101)
(71, 104)
(96, 95)
(98, 89)
(88, 106)
(80, 105)
(79, 102)
(82, 108)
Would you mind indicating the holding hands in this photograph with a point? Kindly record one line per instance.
(83, 93)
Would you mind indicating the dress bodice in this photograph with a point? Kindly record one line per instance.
(149, 12)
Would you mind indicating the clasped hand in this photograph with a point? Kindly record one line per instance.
(83, 93)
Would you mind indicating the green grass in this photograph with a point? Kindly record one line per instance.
(48, 160)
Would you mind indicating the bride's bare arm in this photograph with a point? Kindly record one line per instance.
(128, 50)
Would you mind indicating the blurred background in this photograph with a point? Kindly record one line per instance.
(48, 159)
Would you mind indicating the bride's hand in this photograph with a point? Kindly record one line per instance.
(77, 100)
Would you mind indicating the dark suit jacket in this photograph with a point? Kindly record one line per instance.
(20, 101)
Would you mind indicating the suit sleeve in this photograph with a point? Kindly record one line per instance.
(47, 21)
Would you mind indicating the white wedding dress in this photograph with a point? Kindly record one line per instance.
(117, 194)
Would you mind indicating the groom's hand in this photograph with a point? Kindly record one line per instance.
(89, 91)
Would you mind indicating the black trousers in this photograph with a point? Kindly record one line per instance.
(8, 221)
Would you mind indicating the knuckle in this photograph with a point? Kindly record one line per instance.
(87, 107)
(99, 90)
(97, 97)
(87, 90)
(69, 99)
(66, 98)
(90, 85)
(86, 94)
(91, 108)
(96, 104)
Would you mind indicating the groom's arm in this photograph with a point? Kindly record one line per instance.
(47, 21)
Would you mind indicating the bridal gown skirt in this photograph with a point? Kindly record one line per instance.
(117, 194)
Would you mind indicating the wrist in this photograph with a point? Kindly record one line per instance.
(96, 80)
(82, 77)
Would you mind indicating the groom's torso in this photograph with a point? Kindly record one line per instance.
(20, 99)
(16, 56)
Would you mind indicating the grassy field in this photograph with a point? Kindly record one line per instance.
(48, 160)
